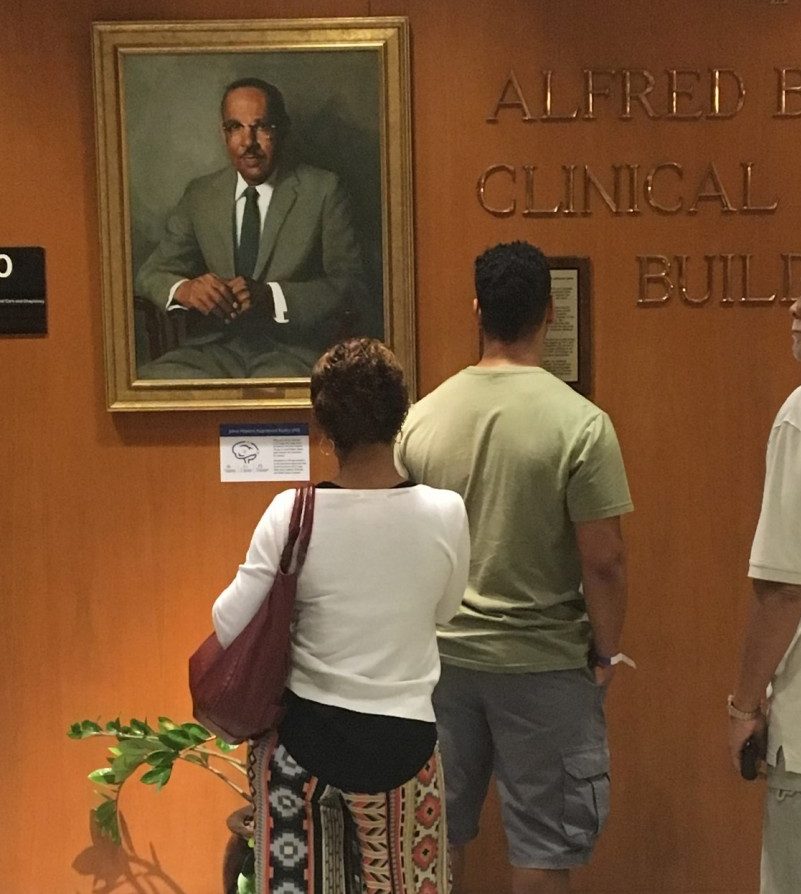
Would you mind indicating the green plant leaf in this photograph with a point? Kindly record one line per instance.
(176, 738)
(158, 776)
(165, 724)
(103, 776)
(197, 732)
(118, 728)
(132, 753)
(122, 769)
(141, 726)
(224, 746)
(162, 758)
(107, 820)
(139, 747)
(124, 765)
(84, 728)
(193, 757)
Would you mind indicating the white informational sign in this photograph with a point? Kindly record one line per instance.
(269, 452)
(561, 339)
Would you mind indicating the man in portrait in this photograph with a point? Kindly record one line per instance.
(771, 653)
(260, 258)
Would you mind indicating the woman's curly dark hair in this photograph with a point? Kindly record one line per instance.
(359, 394)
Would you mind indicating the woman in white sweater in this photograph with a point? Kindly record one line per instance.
(354, 768)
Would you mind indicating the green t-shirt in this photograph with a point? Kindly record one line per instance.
(530, 457)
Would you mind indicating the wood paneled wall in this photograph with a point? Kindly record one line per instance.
(116, 534)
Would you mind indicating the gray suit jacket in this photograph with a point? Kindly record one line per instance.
(308, 246)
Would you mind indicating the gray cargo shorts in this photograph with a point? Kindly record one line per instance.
(543, 735)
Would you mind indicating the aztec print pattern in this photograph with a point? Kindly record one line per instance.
(313, 838)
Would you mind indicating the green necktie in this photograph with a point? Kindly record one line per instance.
(250, 236)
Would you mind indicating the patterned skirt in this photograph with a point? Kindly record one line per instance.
(312, 838)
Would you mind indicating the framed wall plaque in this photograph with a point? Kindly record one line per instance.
(568, 342)
(336, 232)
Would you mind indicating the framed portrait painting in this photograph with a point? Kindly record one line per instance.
(255, 204)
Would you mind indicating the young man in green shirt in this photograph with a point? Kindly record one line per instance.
(527, 659)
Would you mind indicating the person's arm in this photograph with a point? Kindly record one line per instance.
(328, 276)
(597, 495)
(176, 273)
(603, 570)
(176, 258)
(240, 600)
(776, 573)
(451, 599)
(772, 624)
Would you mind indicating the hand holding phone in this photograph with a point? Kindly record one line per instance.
(750, 754)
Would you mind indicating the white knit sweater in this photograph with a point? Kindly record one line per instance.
(383, 567)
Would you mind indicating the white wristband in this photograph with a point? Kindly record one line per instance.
(620, 658)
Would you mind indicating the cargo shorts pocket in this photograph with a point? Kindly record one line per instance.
(586, 794)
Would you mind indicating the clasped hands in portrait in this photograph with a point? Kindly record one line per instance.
(226, 299)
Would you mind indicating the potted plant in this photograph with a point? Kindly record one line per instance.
(137, 745)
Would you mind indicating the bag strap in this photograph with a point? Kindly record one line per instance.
(300, 524)
(306, 526)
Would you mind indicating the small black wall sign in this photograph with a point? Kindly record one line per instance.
(23, 304)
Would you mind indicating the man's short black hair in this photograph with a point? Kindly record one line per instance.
(513, 286)
(275, 101)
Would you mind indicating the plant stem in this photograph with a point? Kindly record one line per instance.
(224, 778)
(234, 762)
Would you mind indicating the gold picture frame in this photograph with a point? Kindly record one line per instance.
(158, 91)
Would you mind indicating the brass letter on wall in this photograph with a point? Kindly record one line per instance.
(481, 187)
(518, 103)
(783, 90)
(647, 278)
